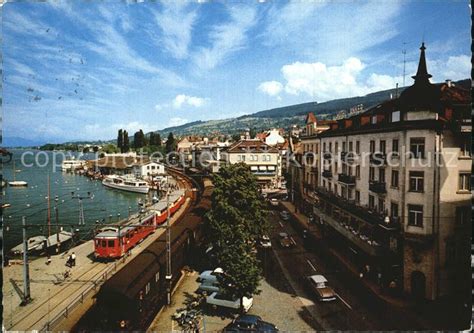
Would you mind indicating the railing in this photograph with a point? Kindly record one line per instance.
(350, 206)
(377, 187)
(378, 158)
(80, 298)
(314, 169)
(327, 173)
(346, 179)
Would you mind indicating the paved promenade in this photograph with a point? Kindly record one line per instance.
(52, 294)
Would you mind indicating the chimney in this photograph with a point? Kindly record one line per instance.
(449, 83)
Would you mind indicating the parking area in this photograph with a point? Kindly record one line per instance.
(276, 304)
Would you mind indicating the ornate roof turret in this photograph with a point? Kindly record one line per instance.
(422, 75)
(422, 95)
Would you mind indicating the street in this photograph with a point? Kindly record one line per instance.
(352, 310)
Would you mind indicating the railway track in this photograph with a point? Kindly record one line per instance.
(92, 273)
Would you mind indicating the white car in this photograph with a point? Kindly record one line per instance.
(318, 284)
(208, 287)
(285, 216)
(265, 242)
(210, 276)
(216, 300)
(274, 202)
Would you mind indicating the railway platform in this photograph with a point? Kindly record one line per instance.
(56, 299)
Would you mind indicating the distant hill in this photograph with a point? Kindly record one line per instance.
(278, 117)
(13, 142)
(286, 116)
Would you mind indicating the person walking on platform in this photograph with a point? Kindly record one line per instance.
(73, 259)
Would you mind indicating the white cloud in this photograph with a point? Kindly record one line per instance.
(182, 99)
(19, 67)
(176, 121)
(97, 131)
(227, 38)
(454, 68)
(330, 32)
(323, 82)
(176, 24)
(28, 26)
(272, 88)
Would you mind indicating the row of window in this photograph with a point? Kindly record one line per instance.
(415, 212)
(417, 147)
(416, 182)
(254, 158)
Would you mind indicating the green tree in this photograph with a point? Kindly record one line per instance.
(120, 140)
(151, 139)
(170, 143)
(236, 137)
(236, 220)
(110, 148)
(158, 140)
(126, 142)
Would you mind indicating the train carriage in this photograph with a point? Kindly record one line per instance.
(114, 242)
(131, 298)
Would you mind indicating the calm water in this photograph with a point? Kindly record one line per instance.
(31, 201)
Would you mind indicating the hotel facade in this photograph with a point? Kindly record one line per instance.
(390, 187)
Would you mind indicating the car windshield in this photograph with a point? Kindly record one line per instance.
(223, 297)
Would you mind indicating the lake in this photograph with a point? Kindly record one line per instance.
(106, 206)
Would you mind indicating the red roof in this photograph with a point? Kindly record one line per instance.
(311, 118)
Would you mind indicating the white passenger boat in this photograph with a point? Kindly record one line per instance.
(16, 182)
(71, 164)
(126, 184)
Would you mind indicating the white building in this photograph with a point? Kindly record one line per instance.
(149, 169)
(264, 161)
(393, 187)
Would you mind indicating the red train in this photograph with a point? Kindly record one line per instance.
(113, 242)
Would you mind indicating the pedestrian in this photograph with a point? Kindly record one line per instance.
(69, 261)
(48, 261)
(379, 278)
(73, 259)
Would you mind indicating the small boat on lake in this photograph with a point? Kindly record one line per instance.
(17, 183)
(124, 183)
(72, 164)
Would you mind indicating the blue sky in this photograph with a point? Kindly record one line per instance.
(81, 70)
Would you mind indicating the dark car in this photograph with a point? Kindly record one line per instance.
(250, 323)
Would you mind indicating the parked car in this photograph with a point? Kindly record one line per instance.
(274, 202)
(215, 299)
(285, 240)
(285, 216)
(250, 323)
(318, 284)
(207, 287)
(210, 276)
(265, 242)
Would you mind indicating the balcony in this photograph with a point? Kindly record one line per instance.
(343, 156)
(327, 156)
(463, 126)
(314, 169)
(327, 174)
(377, 187)
(346, 179)
(378, 159)
(350, 206)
